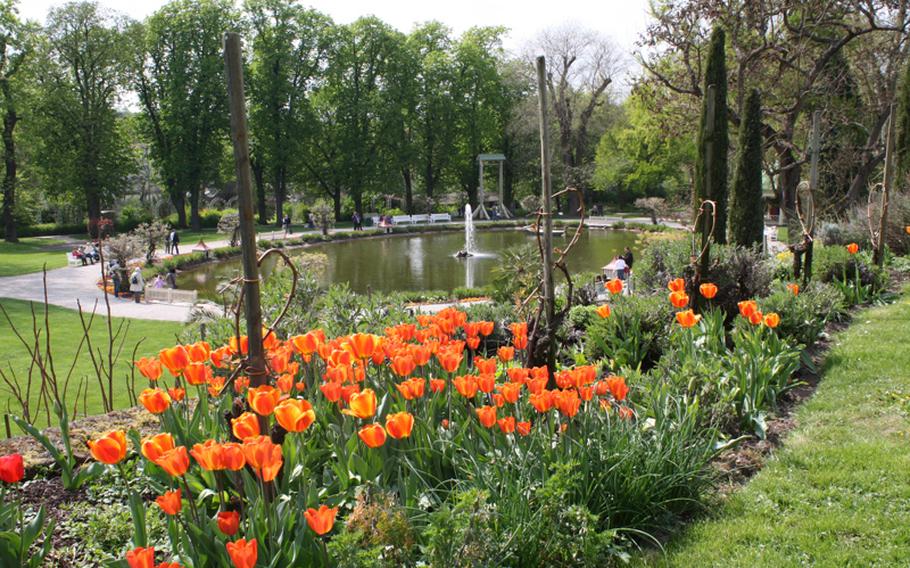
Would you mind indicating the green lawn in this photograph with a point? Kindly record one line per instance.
(838, 492)
(66, 333)
(29, 255)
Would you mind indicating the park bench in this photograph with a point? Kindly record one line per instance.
(72, 260)
(416, 219)
(170, 296)
(440, 217)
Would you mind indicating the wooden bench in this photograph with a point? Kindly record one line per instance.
(170, 296)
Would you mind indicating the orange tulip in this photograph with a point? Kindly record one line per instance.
(154, 446)
(486, 327)
(486, 383)
(486, 415)
(308, 343)
(603, 311)
(208, 455)
(110, 448)
(772, 320)
(687, 318)
(412, 388)
(567, 402)
(243, 554)
(170, 502)
(617, 387)
(331, 391)
(794, 289)
(239, 345)
(450, 360)
(399, 425)
(295, 414)
(853, 248)
(245, 426)
(372, 435)
(228, 522)
(520, 341)
(263, 399)
(362, 404)
(263, 456)
(176, 393)
(175, 461)
(155, 401)
(141, 557)
(175, 359)
(199, 352)
(437, 385)
(363, 344)
(519, 328)
(523, 428)
(536, 385)
(403, 365)
(321, 520)
(755, 318)
(197, 373)
(221, 357)
(708, 290)
(907, 229)
(677, 285)
(614, 286)
(150, 368)
(517, 374)
(747, 308)
(485, 366)
(232, 456)
(466, 386)
(679, 299)
(507, 424)
(510, 392)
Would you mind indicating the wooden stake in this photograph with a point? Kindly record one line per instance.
(545, 197)
(878, 255)
(252, 309)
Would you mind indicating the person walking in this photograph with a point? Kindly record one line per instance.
(167, 243)
(286, 224)
(175, 242)
(137, 284)
(114, 270)
(171, 278)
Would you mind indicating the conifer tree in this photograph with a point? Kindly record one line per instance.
(746, 214)
(713, 185)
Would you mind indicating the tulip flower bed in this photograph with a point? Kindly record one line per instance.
(433, 443)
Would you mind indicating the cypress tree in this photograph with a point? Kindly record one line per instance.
(746, 211)
(715, 74)
(902, 143)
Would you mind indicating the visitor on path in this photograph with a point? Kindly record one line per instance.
(286, 224)
(171, 278)
(137, 284)
(90, 252)
(620, 266)
(629, 259)
(114, 270)
(174, 239)
(167, 242)
(77, 254)
(159, 281)
(358, 223)
(311, 221)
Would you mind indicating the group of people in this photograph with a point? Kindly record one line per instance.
(136, 282)
(172, 242)
(357, 220)
(385, 222)
(87, 253)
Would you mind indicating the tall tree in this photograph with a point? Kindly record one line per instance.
(746, 211)
(84, 151)
(583, 64)
(179, 75)
(15, 48)
(289, 49)
(478, 103)
(902, 144)
(712, 185)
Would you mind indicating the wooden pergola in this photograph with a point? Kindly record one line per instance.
(481, 211)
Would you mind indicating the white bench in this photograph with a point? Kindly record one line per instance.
(170, 296)
(416, 219)
(72, 260)
(401, 219)
(437, 217)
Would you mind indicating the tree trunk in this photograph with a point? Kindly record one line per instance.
(93, 207)
(195, 222)
(280, 191)
(336, 202)
(409, 191)
(9, 178)
(258, 179)
(178, 201)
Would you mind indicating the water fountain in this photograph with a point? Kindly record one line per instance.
(470, 246)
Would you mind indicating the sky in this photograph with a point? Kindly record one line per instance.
(621, 20)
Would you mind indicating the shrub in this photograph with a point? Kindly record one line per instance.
(634, 335)
(661, 261)
(803, 317)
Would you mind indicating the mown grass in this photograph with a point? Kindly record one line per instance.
(66, 335)
(838, 492)
(29, 255)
